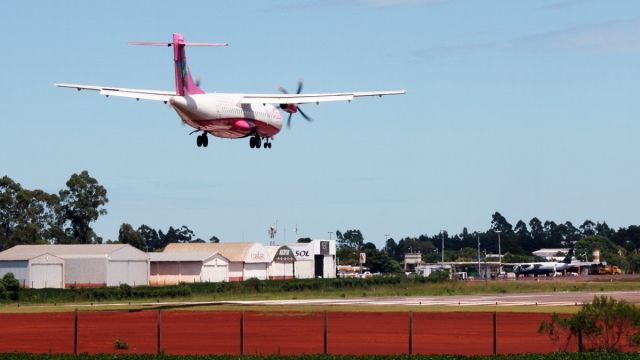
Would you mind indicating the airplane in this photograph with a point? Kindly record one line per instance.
(545, 268)
(225, 115)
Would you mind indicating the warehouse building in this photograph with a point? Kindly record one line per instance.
(170, 268)
(34, 271)
(82, 265)
(246, 260)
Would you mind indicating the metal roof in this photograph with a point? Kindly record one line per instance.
(180, 256)
(26, 252)
(236, 252)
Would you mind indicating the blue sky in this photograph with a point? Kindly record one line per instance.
(529, 108)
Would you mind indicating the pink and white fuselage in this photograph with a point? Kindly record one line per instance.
(220, 115)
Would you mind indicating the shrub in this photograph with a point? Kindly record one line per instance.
(9, 287)
(604, 323)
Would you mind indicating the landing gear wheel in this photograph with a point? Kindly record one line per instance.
(205, 140)
(252, 142)
(199, 141)
(258, 142)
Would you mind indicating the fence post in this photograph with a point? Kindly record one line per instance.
(410, 332)
(579, 340)
(495, 333)
(326, 333)
(242, 333)
(75, 333)
(159, 332)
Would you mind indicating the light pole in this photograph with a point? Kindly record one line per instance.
(478, 238)
(499, 254)
(442, 236)
(330, 234)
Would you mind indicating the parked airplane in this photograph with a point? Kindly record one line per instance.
(545, 268)
(225, 115)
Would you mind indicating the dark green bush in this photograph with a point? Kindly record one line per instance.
(9, 287)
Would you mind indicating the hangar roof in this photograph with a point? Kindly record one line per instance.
(236, 252)
(25, 252)
(199, 256)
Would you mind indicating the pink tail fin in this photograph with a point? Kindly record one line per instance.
(184, 83)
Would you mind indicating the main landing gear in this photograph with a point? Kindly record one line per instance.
(202, 140)
(256, 142)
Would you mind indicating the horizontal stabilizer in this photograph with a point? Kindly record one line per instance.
(164, 43)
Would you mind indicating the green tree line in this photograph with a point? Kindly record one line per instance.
(38, 217)
(617, 247)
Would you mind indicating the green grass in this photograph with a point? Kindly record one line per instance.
(53, 299)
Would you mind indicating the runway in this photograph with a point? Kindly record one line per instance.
(530, 299)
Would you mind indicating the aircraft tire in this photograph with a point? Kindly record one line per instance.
(199, 141)
(205, 140)
(258, 143)
(252, 142)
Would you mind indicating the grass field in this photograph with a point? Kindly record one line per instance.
(400, 289)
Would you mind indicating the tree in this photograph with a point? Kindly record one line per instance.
(351, 239)
(82, 203)
(588, 228)
(379, 262)
(28, 216)
(537, 233)
(180, 235)
(214, 239)
(500, 223)
(604, 323)
(150, 237)
(609, 251)
(524, 237)
(127, 235)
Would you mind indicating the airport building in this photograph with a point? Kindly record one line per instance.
(245, 260)
(170, 268)
(283, 263)
(58, 266)
(315, 259)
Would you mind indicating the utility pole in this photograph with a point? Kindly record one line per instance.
(478, 238)
(442, 236)
(499, 254)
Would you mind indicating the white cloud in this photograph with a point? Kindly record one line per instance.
(618, 36)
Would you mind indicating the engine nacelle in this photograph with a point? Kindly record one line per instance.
(290, 108)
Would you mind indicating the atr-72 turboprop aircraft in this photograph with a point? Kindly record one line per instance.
(225, 115)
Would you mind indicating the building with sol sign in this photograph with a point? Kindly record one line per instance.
(246, 260)
(283, 263)
(315, 259)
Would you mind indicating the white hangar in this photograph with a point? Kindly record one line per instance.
(33, 270)
(246, 260)
(81, 265)
(170, 268)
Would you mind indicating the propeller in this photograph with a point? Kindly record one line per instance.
(293, 108)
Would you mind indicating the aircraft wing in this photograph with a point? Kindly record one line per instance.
(310, 98)
(137, 94)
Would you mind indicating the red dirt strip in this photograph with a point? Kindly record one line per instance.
(199, 332)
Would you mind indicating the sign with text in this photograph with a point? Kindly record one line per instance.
(324, 248)
(363, 258)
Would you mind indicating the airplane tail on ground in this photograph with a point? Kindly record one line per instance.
(184, 83)
(567, 259)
